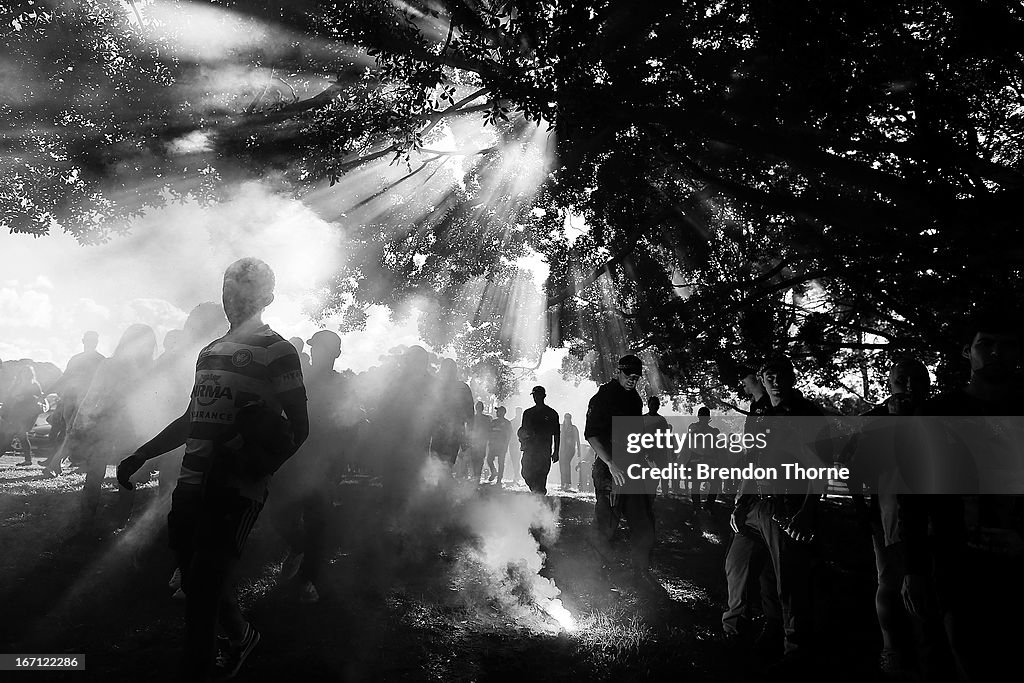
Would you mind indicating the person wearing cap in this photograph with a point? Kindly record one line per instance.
(302, 486)
(540, 428)
(619, 398)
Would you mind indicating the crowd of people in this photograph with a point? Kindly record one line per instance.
(220, 420)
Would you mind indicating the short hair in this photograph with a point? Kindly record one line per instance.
(909, 362)
(256, 275)
(91, 334)
(778, 364)
(500, 410)
(703, 411)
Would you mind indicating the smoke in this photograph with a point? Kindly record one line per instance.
(500, 554)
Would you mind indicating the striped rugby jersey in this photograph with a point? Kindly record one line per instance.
(245, 365)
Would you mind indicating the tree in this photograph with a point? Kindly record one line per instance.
(757, 177)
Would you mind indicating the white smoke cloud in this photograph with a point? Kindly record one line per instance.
(502, 560)
(173, 259)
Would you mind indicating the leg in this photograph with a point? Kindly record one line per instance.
(739, 566)
(95, 472)
(791, 563)
(606, 515)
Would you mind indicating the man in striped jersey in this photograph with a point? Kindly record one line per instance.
(235, 438)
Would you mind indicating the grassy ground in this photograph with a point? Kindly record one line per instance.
(392, 612)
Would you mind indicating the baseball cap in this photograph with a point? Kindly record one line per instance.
(631, 364)
(325, 337)
(539, 390)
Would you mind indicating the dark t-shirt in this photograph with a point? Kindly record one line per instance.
(540, 425)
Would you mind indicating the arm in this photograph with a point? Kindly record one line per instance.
(617, 474)
(172, 436)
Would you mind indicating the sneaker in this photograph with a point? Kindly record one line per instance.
(175, 583)
(230, 660)
(309, 594)
(290, 566)
(178, 595)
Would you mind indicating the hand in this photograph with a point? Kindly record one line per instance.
(801, 527)
(554, 457)
(127, 467)
(918, 596)
(618, 476)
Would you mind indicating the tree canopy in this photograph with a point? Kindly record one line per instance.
(832, 179)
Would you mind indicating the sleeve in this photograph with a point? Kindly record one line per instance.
(597, 417)
(284, 369)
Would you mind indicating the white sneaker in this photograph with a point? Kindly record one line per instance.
(175, 583)
(309, 593)
(290, 567)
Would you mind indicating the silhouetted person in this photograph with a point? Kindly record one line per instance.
(569, 449)
(942, 580)
(539, 436)
(619, 398)
(656, 422)
(703, 450)
(303, 356)
(235, 439)
(302, 488)
(478, 442)
(454, 404)
(112, 417)
(499, 435)
(20, 410)
(173, 340)
(71, 387)
(402, 427)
